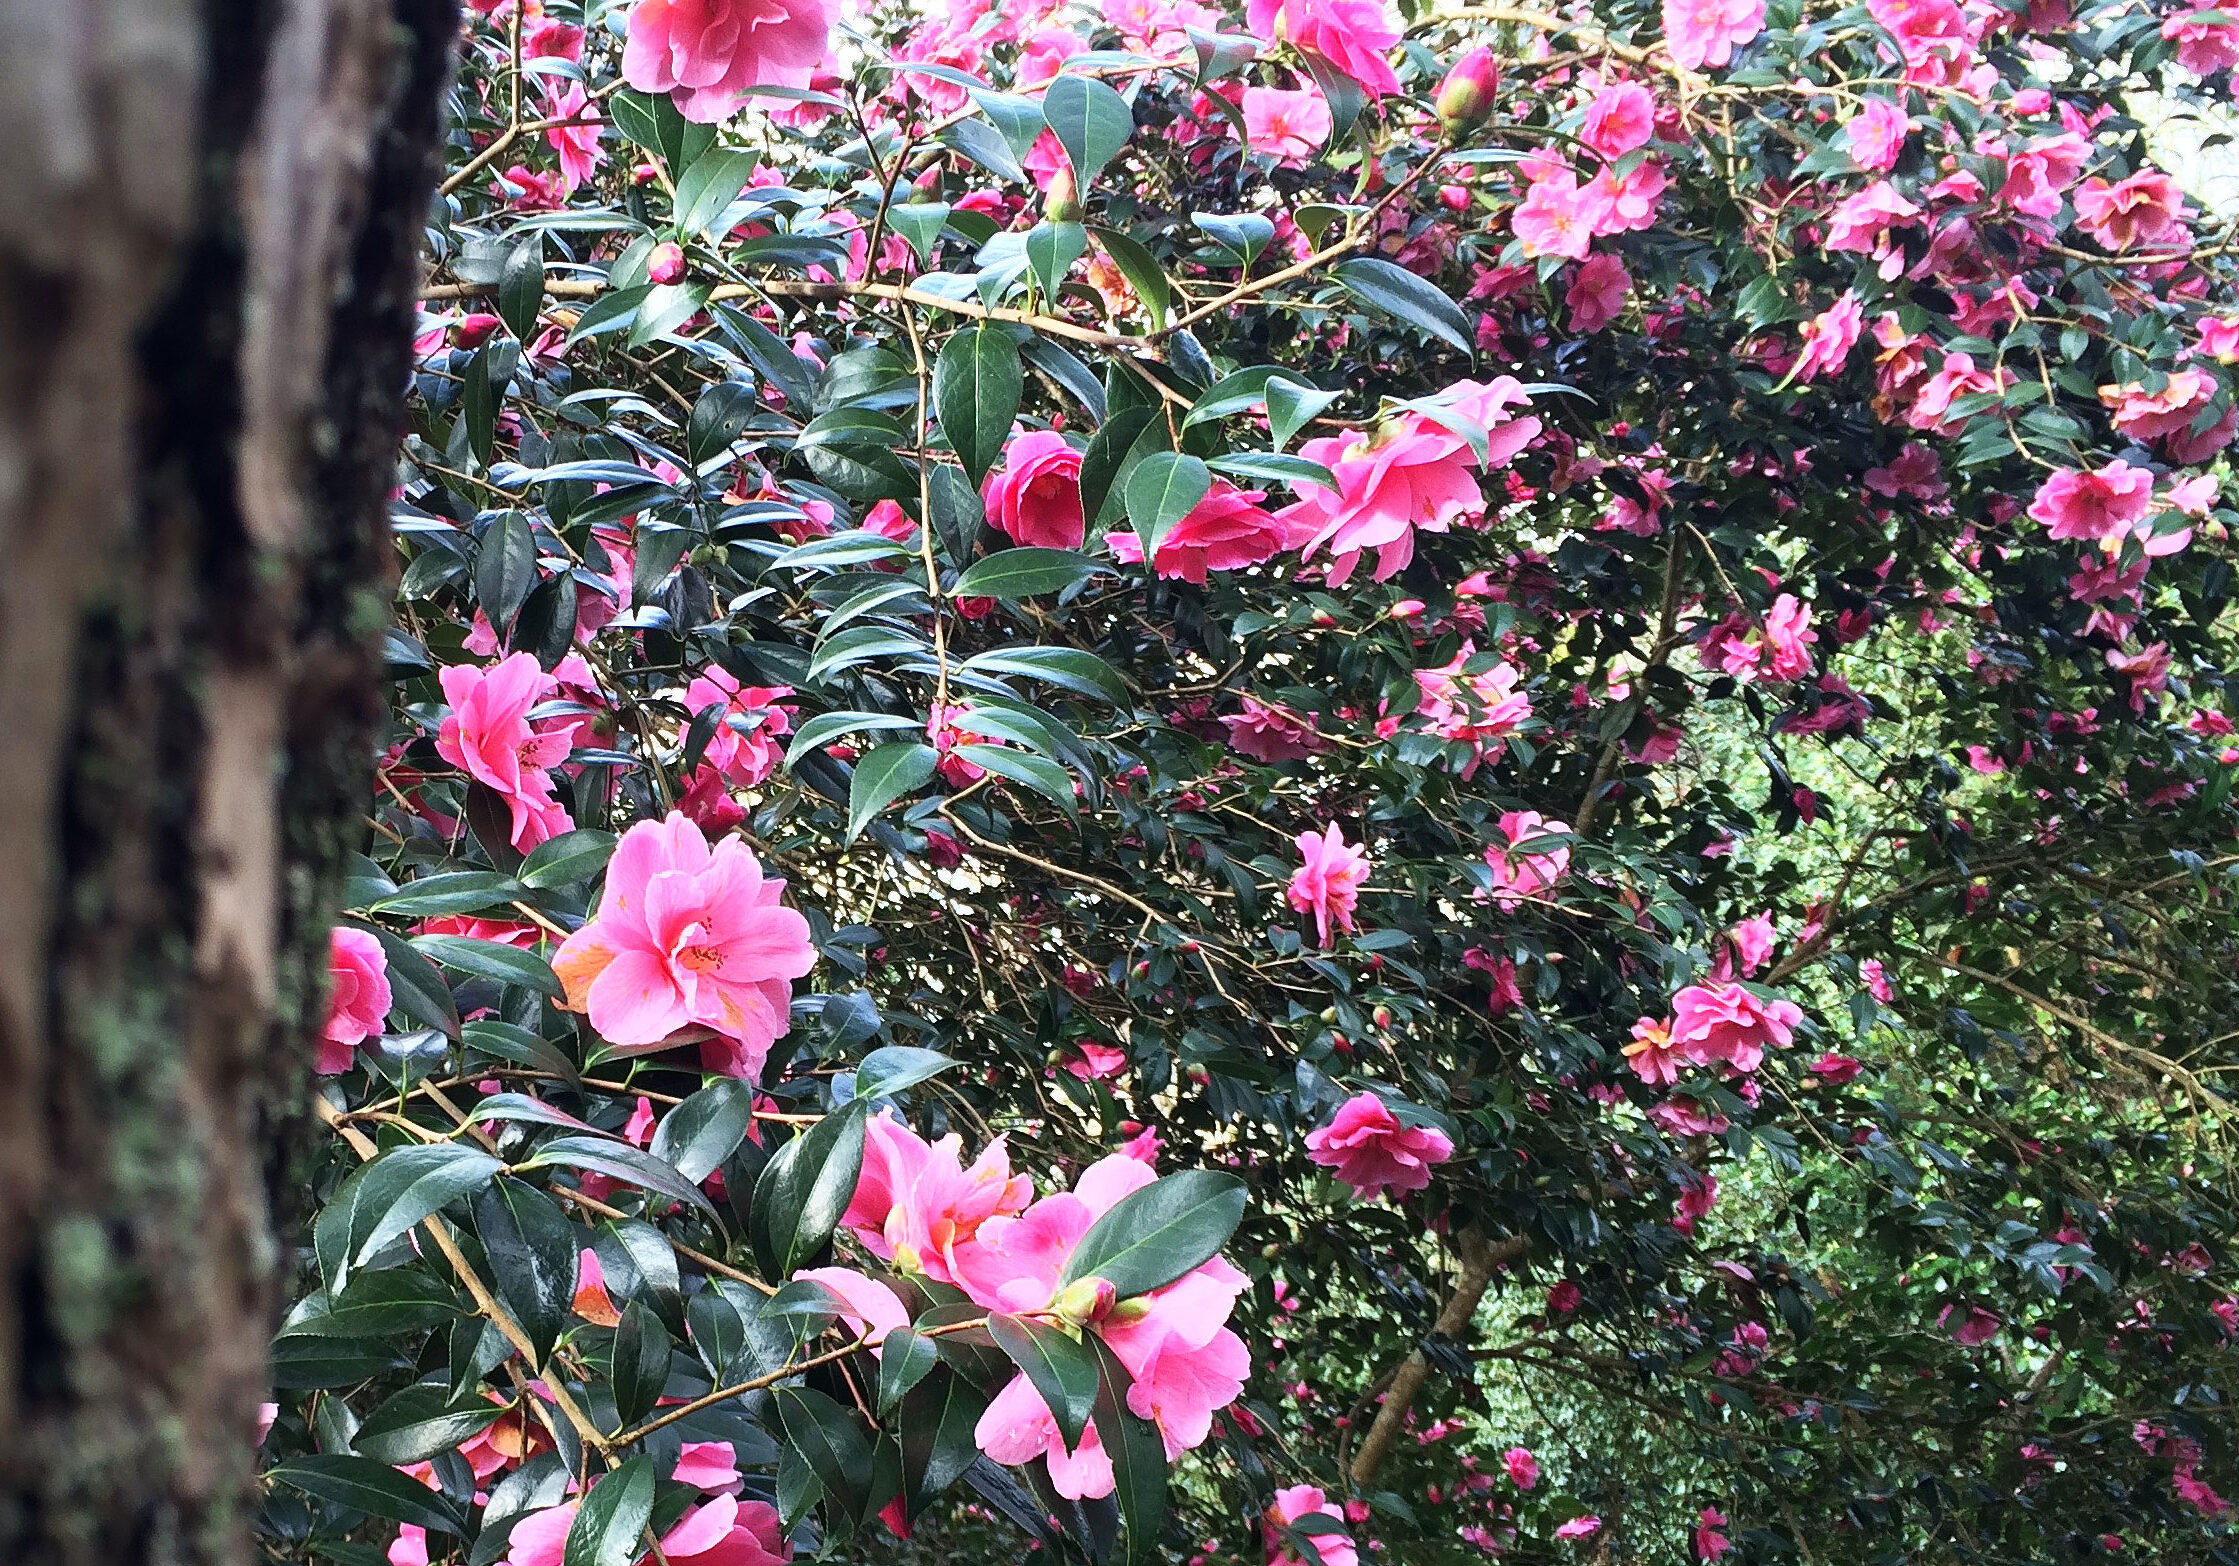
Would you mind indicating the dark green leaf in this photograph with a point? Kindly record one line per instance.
(1400, 293)
(419, 1422)
(569, 860)
(807, 1186)
(1063, 1372)
(1138, 1455)
(533, 1250)
(717, 418)
(905, 1359)
(1025, 571)
(1091, 121)
(698, 1134)
(399, 1189)
(508, 1041)
(1140, 268)
(1069, 667)
(709, 186)
(505, 568)
(521, 287)
(619, 1161)
(887, 1071)
(1154, 1235)
(1051, 250)
(490, 960)
(821, 1432)
(883, 776)
(641, 1362)
(378, 1304)
(608, 1525)
(453, 892)
(376, 1489)
(1165, 487)
(545, 628)
(1108, 452)
(976, 387)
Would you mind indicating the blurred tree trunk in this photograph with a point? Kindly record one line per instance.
(208, 221)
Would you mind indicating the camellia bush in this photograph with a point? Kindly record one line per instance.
(1321, 784)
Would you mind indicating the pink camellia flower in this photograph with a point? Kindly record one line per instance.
(576, 144)
(722, 1531)
(1827, 338)
(1710, 1542)
(2168, 415)
(1597, 294)
(1706, 32)
(2102, 505)
(1563, 1297)
(1753, 940)
(1335, 1547)
(688, 937)
(1863, 221)
(2207, 39)
(868, 1307)
(1351, 36)
(1876, 134)
(707, 53)
(1653, 1055)
(1580, 1528)
(1788, 638)
(1621, 117)
(1877, 981)
(1557, 216)
(915, 1202)
(2147, 208)
(1289, 127)
(1174, 1341)
(744, 747)
(1266, 731)
(1372, 1152)
(1520, 874)
(1835, 1070)
(1328, 884)
(1223, 532)
(1931, 34)
(358, 997)
(2147, 670)
(1035, 497)
(1727, 1023)
(2039, 173)
(1415, 472)
(488, 737)
(2196, 1493)
(1523, 1468)
(1698, 1194)
(1977, 1327)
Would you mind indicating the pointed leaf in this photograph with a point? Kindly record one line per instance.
(807, 1186)
(698, 1134)
(1091, 121)
(1063, 1372)
(608, 1525)
(1024, 571)
(1401, 294)
(976, 387)
(883, 776)
(1164, 488)
(373, 1488)
(533, 1250)
(619, 1161)
(1154, 1235)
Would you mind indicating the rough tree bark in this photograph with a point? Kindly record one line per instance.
(208, 221)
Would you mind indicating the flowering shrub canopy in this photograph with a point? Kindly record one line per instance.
(1304, 784)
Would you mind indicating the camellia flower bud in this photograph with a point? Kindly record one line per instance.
(1061, 203)
(475, 330)
(1466, 95)
(666, 264)
(1088, 1300)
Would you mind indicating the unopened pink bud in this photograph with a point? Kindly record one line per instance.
(666, 264)
(1466, 95)
(475, 330)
